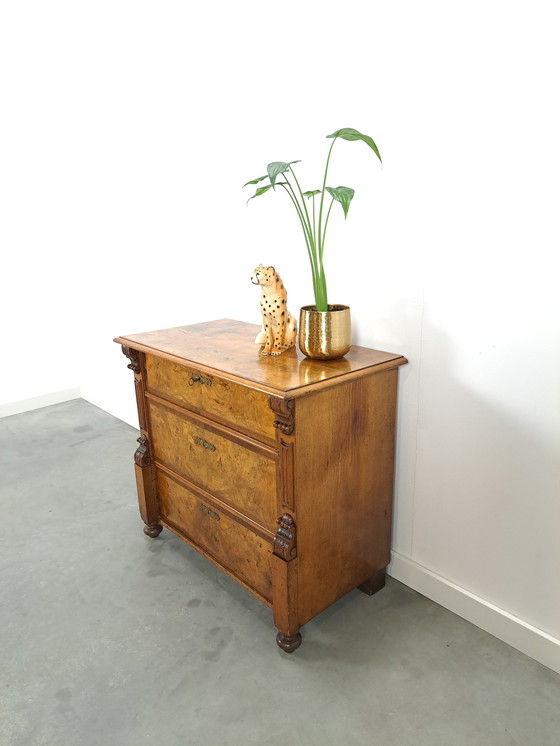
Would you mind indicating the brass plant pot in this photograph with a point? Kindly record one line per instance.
(325, 335)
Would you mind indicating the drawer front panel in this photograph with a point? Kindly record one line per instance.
(240, 477)
(239, 407)
(241, 551)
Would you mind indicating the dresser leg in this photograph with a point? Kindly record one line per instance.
(153, 530)
(146, 487)
(288, 643)
(373, 584)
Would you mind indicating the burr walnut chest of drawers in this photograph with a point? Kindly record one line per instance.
(279, 470)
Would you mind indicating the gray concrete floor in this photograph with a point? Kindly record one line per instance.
(109, 638)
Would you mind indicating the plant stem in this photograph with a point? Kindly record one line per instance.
(322, 247)
(305, 225)
(311, 249)
(321, 300)
(314, 226)
(320, 238)
(302, 200)
(322, 303)
(319, 285)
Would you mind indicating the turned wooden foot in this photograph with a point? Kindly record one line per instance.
(153, 530)
(373, 584)
(288, 644)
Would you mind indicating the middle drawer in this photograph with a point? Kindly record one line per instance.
(242, 474)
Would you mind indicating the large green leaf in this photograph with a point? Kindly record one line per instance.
(343, 195)
(260, 190)
(264, 190)
(348, 133)
(255, 181)
(312, 194)
(276, 168)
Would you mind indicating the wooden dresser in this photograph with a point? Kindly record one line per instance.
(279, 470)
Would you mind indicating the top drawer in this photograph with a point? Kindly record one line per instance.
(238, 406)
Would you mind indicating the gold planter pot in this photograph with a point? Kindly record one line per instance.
(325, 335)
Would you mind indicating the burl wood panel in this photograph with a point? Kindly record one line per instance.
(212, 396)
(344, 481)
(245, 553)
(228, 347)
(242, 477)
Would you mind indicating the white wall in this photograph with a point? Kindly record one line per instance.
(129, 129)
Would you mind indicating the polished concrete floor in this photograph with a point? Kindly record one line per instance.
(109, 638)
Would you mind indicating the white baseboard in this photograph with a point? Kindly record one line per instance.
(36, 402)
(510, 629)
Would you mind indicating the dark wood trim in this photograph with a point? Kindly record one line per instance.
(284, 410)
(134, 356)
(288, 643)
(285, 539)
(142, 455)
(153, 530)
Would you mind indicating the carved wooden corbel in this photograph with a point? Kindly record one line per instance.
(285, 539)
(133, 356)
(142, 453)
(284, 411)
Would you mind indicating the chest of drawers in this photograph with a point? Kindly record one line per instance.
(278, 470)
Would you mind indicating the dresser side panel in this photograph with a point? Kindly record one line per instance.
(344, 462)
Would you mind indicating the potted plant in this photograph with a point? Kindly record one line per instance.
(324, 330)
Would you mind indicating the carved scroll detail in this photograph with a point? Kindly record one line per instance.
(285, 539)
(284, 411)
(142, 453)
(133, 356)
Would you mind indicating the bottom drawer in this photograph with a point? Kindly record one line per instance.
(236, 548)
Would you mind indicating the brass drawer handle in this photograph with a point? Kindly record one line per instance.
(209, 513)
(204, 443)
(197, 378)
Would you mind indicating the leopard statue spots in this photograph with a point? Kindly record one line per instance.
(278, 325)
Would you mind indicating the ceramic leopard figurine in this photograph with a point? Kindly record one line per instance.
(278, 325)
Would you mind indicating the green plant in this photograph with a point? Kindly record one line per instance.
(314, 226)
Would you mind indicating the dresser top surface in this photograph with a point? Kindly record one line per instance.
(227, 348)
